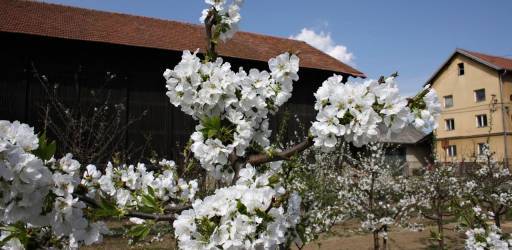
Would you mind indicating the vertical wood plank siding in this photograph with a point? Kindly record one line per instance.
(139, 85)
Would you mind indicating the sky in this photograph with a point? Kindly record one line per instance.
(376, 37)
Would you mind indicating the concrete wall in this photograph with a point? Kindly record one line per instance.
(467, 148)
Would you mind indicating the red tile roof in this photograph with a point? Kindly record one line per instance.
(496, 62)
(52, 20)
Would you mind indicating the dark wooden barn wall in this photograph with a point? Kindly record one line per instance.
(138, 84)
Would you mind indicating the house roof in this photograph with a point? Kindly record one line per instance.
(52, 20)
(409, 135)
(494, 62)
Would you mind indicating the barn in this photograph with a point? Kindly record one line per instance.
(75, 48)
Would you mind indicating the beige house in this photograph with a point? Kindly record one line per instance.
(475, 91)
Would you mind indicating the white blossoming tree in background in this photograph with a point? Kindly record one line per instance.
(490, 187)
(440, 192)
(487, 197)
(49, 202)
(315, 176)
(375, 191)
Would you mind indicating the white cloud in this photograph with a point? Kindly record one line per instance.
(324, 42)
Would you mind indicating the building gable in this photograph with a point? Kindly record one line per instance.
(492, 62)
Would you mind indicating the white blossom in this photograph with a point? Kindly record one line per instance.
(212, 93)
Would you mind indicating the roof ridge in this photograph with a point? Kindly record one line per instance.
(40, 18)
(486, 54)
(42, 2)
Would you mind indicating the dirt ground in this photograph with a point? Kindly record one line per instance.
(343, 237)
(346, 237)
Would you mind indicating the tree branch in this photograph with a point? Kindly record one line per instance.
(209, 23)
(147, 216)
(430, 217)
(283, 155)
(141, 215)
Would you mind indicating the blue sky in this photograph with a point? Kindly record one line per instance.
(411, 37)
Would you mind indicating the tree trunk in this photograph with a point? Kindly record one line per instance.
(440, 231)
(497, 219)
(376, 242)
(385, 239)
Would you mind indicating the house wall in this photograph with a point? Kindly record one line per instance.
(507, 102)
(466, 134)
(467, 148)
(416, 155)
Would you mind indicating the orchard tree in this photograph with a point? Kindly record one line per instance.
(441, 194)
(49, 202)
(489, 186)
(375, 191)
(315, 176)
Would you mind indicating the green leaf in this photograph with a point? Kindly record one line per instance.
(19, 231)
(274, 179)
(211, 126)
(140, 232)
(205, 227)
(48, 203)
(150, 202)
(301, 231)
(241, 207)
(151, 191)
(45, 150)
(212, 133)
(266, 217)
(6, 239)
(106, 209)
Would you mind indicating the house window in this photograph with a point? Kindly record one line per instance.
(480, 95)
(449, 124)
(451, 150)
(481, 121)
(461, 68)
(481, 148)
(448, 101)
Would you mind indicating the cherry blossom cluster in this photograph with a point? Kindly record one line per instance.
(40, 193)
(229, 16)
(44, 195)
(68, 216)
(125, 184)
(364, 112)
(252, 214)
(479, 239)
(23, 176)
(232, 107)
(482, 236)
(426, 109)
